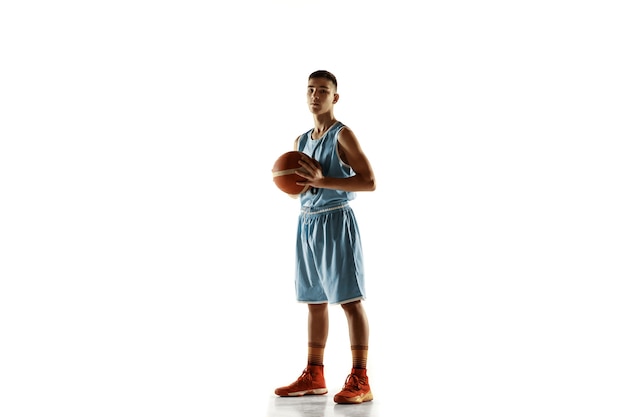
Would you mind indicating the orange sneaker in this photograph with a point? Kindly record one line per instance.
(311, 382)
(356, 389)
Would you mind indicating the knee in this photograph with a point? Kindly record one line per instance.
(317, 309)
(352, 307)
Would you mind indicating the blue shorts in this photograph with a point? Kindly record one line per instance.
(329, 259)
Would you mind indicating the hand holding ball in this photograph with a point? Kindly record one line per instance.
(284, 173)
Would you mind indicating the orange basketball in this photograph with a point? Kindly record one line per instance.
(284, 172)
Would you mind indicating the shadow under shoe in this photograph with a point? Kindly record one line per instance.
(311, 382)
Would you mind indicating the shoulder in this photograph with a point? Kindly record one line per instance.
(300, 137)
(346, 136)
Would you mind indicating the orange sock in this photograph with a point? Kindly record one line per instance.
(316, 354)
(359, 356)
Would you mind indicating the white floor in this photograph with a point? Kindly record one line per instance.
(319, 406)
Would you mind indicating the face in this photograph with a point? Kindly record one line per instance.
(321, 95)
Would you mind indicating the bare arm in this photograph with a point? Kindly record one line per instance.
(351, 153)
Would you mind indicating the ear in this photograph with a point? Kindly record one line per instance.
(336, 99)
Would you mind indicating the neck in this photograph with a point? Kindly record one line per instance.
(323, 122)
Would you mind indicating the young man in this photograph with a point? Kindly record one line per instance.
(328, 249)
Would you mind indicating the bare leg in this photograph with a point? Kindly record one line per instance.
(318, 324)
(357, 323)
(358, 327)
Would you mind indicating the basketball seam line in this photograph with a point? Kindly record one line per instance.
(284, 172)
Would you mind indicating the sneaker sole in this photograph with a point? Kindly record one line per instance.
(355, 400)
(317, 391)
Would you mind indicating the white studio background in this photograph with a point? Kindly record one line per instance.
(146, 257)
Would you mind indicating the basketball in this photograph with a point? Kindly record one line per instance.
(284, 173)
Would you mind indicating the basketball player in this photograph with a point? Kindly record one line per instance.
(329, 266)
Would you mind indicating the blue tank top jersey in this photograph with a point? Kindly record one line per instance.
(325, 151)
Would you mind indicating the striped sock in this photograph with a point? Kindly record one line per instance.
(359, 356)
(316, 354)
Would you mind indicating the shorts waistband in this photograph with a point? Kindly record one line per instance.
(318, 210)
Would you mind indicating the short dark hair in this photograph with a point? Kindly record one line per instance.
(324, 74)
